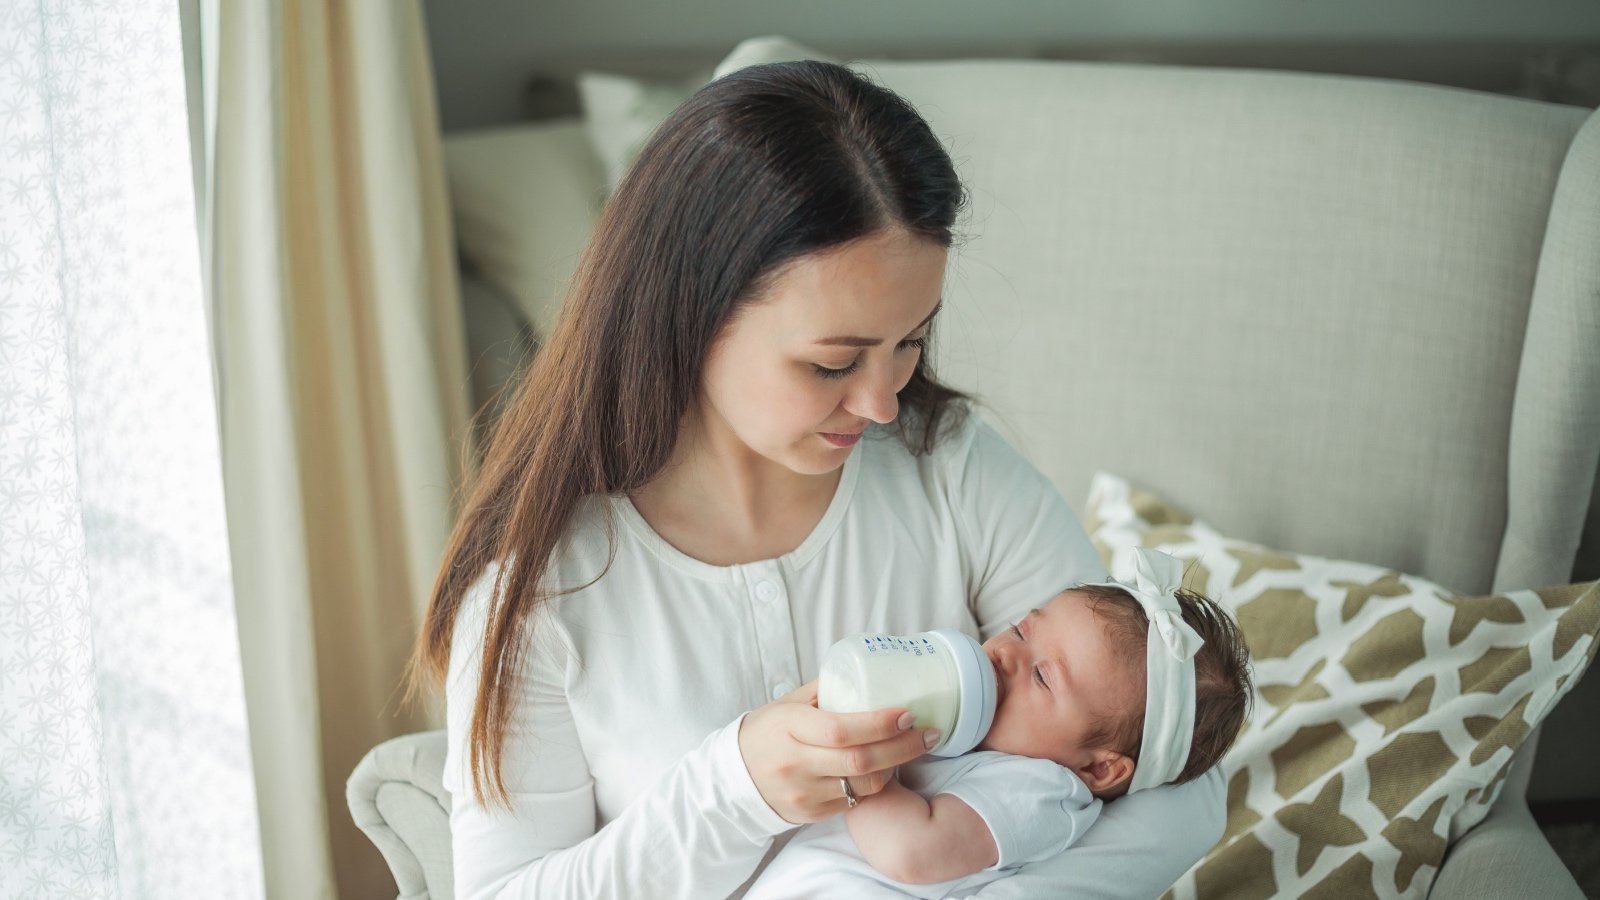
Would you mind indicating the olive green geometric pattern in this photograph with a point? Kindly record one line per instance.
(1241, 817)
(1405, 767)
(1393, 714)
(1306, 689)
(1419, 842)
(1472, 610)
(1278, 622)
(1357, 595)
(1251, 562)
(1387, 707)
(1310, 753)
(1320, 825)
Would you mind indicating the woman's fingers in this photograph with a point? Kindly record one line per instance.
(867, 785)
(864, 747)
(796, 754)
(871, 764)
(805, 693)
(828, 729)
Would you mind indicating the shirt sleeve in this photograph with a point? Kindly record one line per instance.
(1034, 808)
(1138, 847)
(1024, 543)
(700, 831)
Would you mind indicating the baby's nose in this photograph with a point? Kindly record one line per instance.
(1009, 656)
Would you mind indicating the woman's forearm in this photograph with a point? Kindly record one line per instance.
(698, 832)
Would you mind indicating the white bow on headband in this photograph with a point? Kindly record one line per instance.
(1169, 678)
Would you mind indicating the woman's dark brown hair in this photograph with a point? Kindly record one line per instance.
(758, 169)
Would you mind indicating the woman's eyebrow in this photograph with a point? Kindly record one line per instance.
(851, 341)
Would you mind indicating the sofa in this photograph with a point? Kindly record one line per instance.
(1343, 316)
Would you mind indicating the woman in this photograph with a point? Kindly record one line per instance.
(730, 452)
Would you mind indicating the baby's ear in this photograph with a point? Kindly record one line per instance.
(1107, 772)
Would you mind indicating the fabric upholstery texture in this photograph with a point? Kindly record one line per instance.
(1555, 425)
(1387, 709)
(1339, 267)
(397, 797)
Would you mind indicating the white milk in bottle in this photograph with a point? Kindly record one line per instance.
(943, 677)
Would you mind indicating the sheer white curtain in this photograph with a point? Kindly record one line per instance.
(125, 766)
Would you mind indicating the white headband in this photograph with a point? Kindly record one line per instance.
(1169, 678)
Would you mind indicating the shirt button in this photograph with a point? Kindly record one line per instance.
(767, 591)
(781, 688)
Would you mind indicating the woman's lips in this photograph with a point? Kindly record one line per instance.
(841, 440)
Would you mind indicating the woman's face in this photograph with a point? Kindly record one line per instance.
(798, 375)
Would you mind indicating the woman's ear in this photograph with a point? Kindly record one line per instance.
(1107, 772)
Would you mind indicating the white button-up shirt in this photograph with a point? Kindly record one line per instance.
(622, 758)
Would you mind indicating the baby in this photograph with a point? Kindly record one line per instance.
(1104, 690)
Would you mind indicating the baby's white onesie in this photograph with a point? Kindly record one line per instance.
(1034, 808)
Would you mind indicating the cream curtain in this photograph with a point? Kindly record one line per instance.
(343, 395)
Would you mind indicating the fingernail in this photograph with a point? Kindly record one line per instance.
(905, 721)
(929, 738)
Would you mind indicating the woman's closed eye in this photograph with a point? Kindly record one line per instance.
(827, 372)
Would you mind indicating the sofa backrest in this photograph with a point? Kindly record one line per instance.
(1337, 315)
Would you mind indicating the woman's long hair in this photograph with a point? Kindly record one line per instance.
(757, 169)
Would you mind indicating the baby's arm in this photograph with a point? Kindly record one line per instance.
(919, 841)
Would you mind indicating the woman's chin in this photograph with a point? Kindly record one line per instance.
(812, 461)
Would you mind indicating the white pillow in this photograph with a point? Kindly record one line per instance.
(768, 49)
(525, 200)
(621, 111)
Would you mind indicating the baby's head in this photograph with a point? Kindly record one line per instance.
(1072, 685)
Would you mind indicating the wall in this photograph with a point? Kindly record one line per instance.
(485, 51)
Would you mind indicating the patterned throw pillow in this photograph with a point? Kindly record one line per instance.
(1387, 708)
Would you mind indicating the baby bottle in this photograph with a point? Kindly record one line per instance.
(943, 677)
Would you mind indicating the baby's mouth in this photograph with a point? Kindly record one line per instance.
(999, 683)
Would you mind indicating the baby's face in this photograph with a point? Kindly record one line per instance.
(1058, 674)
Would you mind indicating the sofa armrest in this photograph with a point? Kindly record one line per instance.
(397, 797)
(1506, 856)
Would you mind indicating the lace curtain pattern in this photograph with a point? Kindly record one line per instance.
(125, 768)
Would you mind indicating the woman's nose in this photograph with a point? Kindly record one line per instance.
(876, 398)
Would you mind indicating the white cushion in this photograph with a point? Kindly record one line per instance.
(525, 201)
(620, 111)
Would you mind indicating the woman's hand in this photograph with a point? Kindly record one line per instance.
(797, 753)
